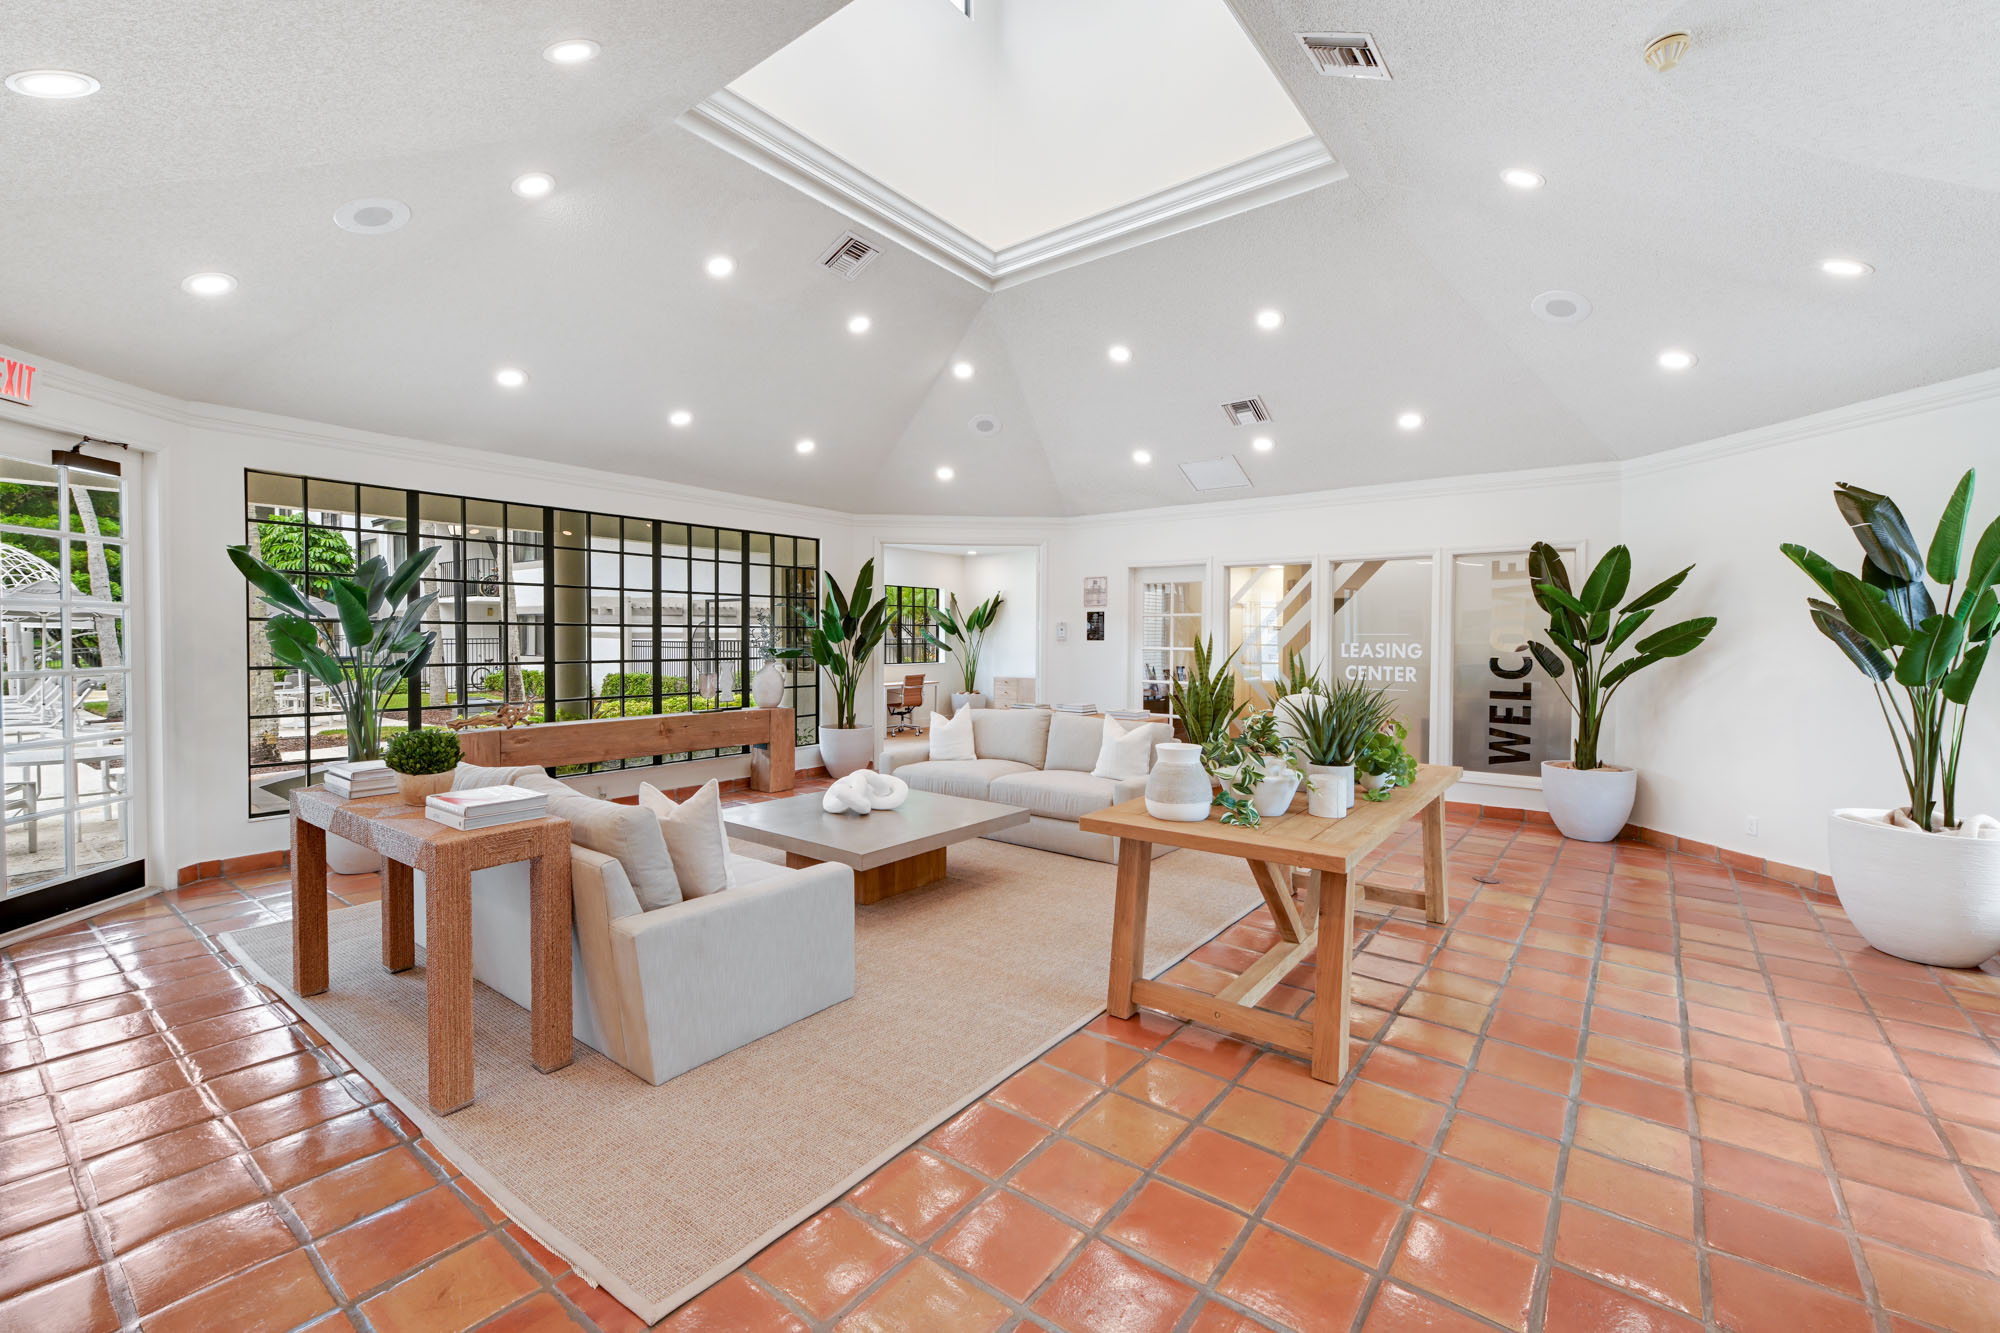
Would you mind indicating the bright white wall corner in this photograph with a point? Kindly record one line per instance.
(1013, 645)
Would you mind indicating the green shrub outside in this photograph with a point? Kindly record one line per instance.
(679, 703)
(639, 685)
(423, 751)
(531, 682)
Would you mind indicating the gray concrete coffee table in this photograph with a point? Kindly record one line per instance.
(891, 851)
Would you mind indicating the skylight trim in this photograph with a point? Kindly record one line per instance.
(740, 127)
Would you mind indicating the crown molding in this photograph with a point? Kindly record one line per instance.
(743, 129)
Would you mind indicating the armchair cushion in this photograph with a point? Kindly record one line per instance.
(629, 835)
(697, 843)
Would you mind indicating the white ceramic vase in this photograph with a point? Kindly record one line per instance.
(767, 687)
(350, 858)
(846, 750)
(971, 699)
(1589, 804)
(1332, 794)
(1926, 897)
(1178, 789)
(1371, 781)
(1274, 791)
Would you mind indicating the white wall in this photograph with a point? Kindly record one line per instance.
(1013, 645)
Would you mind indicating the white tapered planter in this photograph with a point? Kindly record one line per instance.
(1926, 897)
(1178, 789)
(846, 750)
(1272, 796)
(1589, 804)
(1332, 794)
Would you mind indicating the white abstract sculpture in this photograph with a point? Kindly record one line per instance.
(865, 790)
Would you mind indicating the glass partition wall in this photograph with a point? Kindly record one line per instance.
(567, 614)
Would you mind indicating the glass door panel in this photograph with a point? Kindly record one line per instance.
(1270, 625)
(1507, 714)
(1167, 611)
(1381, 635)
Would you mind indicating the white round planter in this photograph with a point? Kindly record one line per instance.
(1332, 794)
(1371, 781)
(1273, 793)
(1177, 789)
(961, 702)
(350, 858)
(1589, 804)
(1926, 897)
(846, 750)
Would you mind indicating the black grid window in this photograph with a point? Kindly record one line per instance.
(572, 615)
(912, 611)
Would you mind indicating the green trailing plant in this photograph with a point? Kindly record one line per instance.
(1588, 627)
(1383, 754)
(1909, 641)
(1242, 761)
(841, 642)
(1206, 702)
(963, 635)
(423, 751)
(1333, 722)
(361, 641)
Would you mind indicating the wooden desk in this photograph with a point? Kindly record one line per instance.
(409, 842)
(1291, 850)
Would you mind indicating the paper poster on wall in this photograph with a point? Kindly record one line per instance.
(1506, 714)
(1093, 626)
(1096, 591)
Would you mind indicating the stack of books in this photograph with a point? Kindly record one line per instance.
(1027, 705)
(1076, 708)
(1134, 715)
(483, 807)
(354, 779)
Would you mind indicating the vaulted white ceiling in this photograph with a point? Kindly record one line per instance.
(1691, 208)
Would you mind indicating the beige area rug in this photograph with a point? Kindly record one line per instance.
(654, 1193)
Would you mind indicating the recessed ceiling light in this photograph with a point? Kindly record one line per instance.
(860, 324)
(1141, 457)
(1523, 179)
(805, 446)
(52, 84)
(972, 553)
(1410, 420)
(720, 266)
(371, 217)
(208, 284)
(574, 51)
(945, 474)
(535, 185)
(508, 377)
(1269, 319)
(1263, 444)
(680, 417)
(1120, 353)
(1846, 268)
(1675, 359)
(962, 369)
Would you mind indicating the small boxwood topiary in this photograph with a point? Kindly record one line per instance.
(423, 751)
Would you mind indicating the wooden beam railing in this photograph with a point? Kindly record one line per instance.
(770, 732)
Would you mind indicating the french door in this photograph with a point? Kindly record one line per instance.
(66, 687)
(1167, 622)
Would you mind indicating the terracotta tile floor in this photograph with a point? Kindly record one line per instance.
(1623, 1090)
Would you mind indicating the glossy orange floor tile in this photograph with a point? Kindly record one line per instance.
(1622, 1089)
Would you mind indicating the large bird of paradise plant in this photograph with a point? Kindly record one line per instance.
(963, 635)
(849, 629)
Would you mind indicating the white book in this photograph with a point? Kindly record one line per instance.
(487, 799)
(354, 768)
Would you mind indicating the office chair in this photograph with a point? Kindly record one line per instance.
(904, 701)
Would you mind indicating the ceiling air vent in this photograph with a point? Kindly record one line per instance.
(1215, 474)
(1246, 411)
(1346, 55)
(848, 256)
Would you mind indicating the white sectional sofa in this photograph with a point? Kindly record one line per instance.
(1038, 760)
(662, 991)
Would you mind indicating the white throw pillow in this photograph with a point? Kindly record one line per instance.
(628, 835)
(696, 838)
(951, 737)
(1125, 754)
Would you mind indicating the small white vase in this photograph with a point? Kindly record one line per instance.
(1589, 804)
(1274, 791)
(846, 750)
(961, 702)
(1177, 789)
(1371, 781)
(1926, 897)
(1332, 794)
(767, 687)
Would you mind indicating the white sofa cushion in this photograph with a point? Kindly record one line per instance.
(959, 777)
(1063, 794)
(951, 737)
(1019, 734)
(697, 842)
(629, 835)
(1125, 754)
(1074, 741)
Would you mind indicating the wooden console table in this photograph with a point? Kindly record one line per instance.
(408, 842)
(1288, 851)
(771, 734)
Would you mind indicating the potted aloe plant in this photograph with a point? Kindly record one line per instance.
(1331, 724)
(963, 635)
(1921, 882)
(842, 641)
(1589, 799)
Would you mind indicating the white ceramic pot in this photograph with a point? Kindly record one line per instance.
(1371, 781)
(767, 687)
(1589, 804)
(350, 858)
(1332, 793)
(1927, 897)
(1178, 788)
(1274, 791)
(961, 702)
(846, 750)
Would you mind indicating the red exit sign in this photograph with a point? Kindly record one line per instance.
(17, 380)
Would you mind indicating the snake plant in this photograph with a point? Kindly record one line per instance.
(963, 634)
(1907, 640)
(1589, 627)
(1206, 702)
